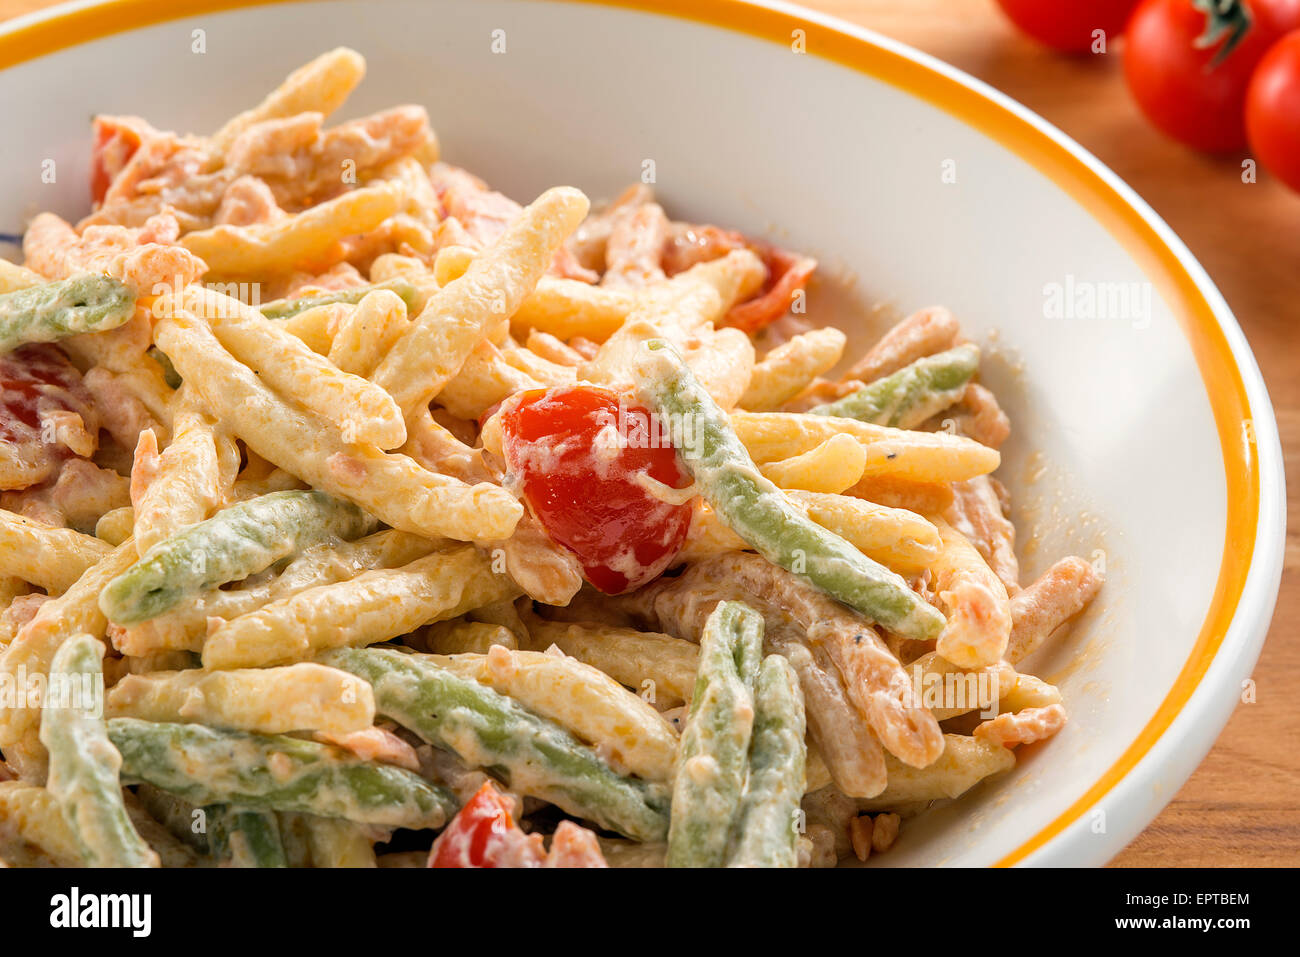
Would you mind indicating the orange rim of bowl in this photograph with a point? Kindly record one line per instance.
(1223, 382)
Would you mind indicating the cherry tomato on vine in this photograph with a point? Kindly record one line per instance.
(1273, 110)
(589, 464)
(1189, 62)
(1069, 25)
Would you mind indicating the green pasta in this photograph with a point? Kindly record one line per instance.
(84, 764)
(911, 395)
(68, 307)
(240, 541)
(284, 308)
(489, 730)
(712, 759)
(275, 772)
(767, 836)
(759, 513)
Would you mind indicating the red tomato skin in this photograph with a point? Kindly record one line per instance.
(484, 834)
(787, 274)
(588, 500)
(1068, 25)
(1273, 110)
(1176, 86)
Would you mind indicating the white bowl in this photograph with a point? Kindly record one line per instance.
(1145, 440)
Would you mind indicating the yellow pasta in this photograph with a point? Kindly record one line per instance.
(13, 277)
(658, 666)
(1028, 691)
(33, 649)
(460, 315)
(184, 627)
(316, 325)
(116, 526)
(789, 368)
(964, 763)
(320, 86)
(625, 730)
(831, 467)
(466, 637)
(897, 453)
(895, 537)
(300, 697)
(949, 691)
(483, 380)
(367, 332)
(373, 607)
(36, 816)
(337, 843)
(359, 409)
(677, 311)
(51, 558)
(542, 369)
(973, 599)
(391, 487)
(195, 474)
(560, 307)
(309, 238)
(11, 587)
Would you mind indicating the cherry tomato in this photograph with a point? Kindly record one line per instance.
(1068, 25)
(1273, 110)
(36, 381)
(1188, 64)
(484, 834)
(583, 456)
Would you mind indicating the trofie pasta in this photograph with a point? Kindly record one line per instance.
(354, 515)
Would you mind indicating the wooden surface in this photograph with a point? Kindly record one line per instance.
(1242, 806)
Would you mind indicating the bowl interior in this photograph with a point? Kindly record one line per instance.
(1114, 456)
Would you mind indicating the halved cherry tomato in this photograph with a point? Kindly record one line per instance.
(1273, 110)
(484, 834)
(583, 456)
(1188, 64)
(1068, 25)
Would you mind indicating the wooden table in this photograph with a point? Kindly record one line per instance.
(1242, 806)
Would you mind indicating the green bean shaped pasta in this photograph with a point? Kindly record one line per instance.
(712, 758)
(754, 508)
(767, 836)
(489, 730)
(67, 307)
(275, 772)
(245, 838)
(235, 543)
(906, 398)
(83, 762)
(284, 308)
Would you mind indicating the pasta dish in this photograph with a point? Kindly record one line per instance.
(353, 514)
